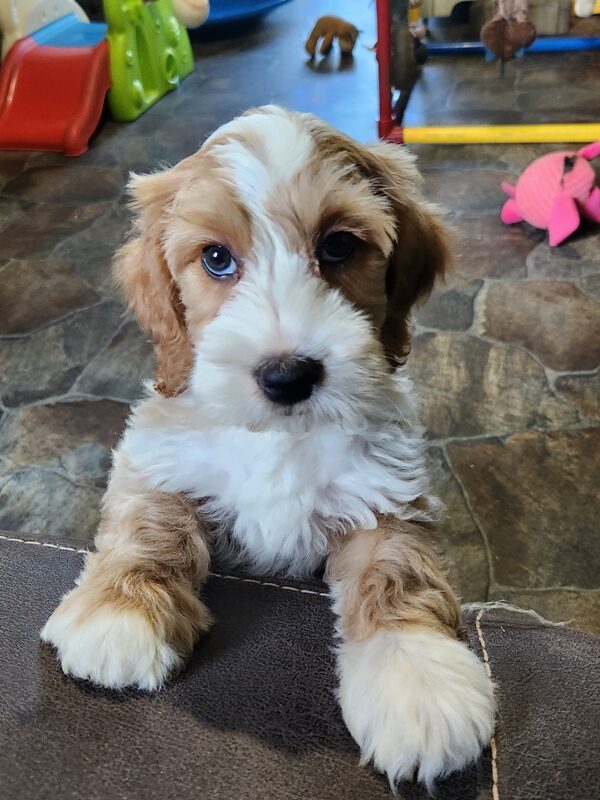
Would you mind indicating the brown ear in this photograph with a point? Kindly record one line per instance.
(421, 251)
(152, 294)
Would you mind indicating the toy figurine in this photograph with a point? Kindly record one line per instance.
(329, 28)
(554, 192)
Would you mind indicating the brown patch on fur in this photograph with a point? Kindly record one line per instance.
(323, 198)
(205, 210)
(179, 212)
(152, 555)
(170, 606)
(420, 253)
(362, 281)
(391, 577)
(154, 297)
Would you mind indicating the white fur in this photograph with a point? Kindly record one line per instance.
(415, 701)
(279, 492)
(111, 647)
(261, 152)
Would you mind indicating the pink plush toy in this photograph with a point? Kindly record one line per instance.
(553, 192)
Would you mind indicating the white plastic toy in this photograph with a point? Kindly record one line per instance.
(584, 8)
(191, 13)
(19, 18)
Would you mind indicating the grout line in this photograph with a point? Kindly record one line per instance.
(500, 588)
(501, 436)
(60, 472)
(478, 525)
(19, 337)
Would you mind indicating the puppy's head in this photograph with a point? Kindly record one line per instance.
(275, 269)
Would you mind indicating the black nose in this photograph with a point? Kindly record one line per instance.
(290, 379)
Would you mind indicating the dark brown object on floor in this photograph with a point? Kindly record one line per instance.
(329, 28)
(254, 714)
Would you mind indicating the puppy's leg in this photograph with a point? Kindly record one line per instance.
(413, 696)
(135, 613)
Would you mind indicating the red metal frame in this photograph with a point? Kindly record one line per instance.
(386, 125)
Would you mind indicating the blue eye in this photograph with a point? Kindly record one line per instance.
(218, 261)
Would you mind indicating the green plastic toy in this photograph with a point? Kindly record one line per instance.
(150, 53)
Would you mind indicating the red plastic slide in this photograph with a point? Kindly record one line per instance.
(51, 98)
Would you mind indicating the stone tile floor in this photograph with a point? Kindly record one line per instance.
(506, 354)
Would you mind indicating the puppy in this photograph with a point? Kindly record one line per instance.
(275, 270)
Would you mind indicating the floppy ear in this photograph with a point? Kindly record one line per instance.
(152, 294)
(421, 251)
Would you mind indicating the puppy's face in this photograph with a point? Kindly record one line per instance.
(276, 267)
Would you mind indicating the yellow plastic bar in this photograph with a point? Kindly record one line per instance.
(503, 134)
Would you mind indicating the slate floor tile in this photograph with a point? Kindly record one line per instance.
(47, 362)
(551, 319)
(536, 496)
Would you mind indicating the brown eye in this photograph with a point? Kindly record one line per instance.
(337, 247)
(218, 261)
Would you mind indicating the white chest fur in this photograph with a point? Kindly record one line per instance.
(277, 493)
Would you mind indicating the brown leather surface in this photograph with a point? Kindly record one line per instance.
(254, 714)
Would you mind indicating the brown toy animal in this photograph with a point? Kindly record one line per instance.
(509, 31)
(329, 28)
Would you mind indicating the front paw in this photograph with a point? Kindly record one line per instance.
(110, 644)
(415, 701)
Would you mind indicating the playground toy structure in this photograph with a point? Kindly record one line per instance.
(390, 124)
(58, 67)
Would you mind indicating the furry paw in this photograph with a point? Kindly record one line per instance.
(109, 645)
(415, 701)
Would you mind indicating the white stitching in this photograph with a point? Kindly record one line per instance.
(488, 669)
(43, 544)
(268, 583)
(212, 574)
